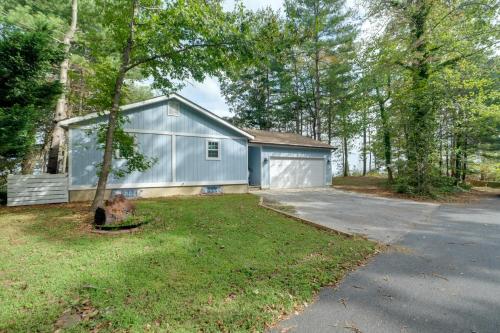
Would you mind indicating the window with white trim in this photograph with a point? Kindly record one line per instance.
(173, 108)
(213, 149)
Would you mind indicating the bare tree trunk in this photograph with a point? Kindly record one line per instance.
(464, 161)
(317, 84)
(447, 157)
(384, 117)
(58, 134)
(113, 114)
(364, 150)
(370, 152)
(330, 120)
(346, 157)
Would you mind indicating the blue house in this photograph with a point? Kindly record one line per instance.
(195, 152)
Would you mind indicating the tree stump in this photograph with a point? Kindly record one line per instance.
(115, 211)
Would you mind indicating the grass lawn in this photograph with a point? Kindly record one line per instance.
(207, 264)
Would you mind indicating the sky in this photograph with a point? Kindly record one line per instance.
(207, 93)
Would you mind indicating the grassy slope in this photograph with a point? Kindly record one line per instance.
(206, 264)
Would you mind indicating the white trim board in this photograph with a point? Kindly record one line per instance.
(166, 184)
(209, 136)
(70, 121)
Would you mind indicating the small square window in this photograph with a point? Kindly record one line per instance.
(173, 108)
(213, 149)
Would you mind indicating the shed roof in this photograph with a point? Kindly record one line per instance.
(286, 139)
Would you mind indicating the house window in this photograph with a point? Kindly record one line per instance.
(213, 149)
(173, 108)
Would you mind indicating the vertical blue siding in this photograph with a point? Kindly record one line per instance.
(269, 151)
(188, 121)
(254, 165)
(158, 147)
(85, 157)
(192, 165)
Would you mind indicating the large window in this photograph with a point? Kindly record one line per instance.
(213, 149)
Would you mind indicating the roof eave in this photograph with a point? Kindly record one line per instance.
(291, 145)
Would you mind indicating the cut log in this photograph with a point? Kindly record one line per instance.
(115, 211)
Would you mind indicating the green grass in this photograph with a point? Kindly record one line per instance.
(205, 264)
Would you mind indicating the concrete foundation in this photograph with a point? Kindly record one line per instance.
(156, 192)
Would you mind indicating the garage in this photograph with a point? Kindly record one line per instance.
(286, 172)
(288, 160)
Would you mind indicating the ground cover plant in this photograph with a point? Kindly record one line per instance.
(206, 264)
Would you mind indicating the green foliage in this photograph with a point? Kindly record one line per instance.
(203, 264)
(436, 57)
(125, 148)
(27, 92)
(300, 74)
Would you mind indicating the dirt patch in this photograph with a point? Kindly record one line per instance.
(81, 311)
(279, 206)
(378, 186)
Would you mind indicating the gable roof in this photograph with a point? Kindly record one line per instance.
(286, 139)
(65, 123)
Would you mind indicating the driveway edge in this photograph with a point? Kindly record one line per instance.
(305, 221)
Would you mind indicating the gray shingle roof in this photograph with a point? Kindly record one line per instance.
(283, 138)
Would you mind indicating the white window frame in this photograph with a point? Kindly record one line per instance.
(218, 150)
(176, 112)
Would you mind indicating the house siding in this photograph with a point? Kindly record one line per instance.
(155, 117)
(190, 128)
(192, 164)
(283, 151)
(254, 164)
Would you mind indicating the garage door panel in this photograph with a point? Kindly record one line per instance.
(296, 173)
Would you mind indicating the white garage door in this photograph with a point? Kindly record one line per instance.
(297, 172)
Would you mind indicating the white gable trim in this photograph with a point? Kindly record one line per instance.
(74, 120)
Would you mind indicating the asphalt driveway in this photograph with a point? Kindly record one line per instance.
(443, 274)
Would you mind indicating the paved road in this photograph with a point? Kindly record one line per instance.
(444, 275)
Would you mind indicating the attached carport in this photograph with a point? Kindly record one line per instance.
(287, 160)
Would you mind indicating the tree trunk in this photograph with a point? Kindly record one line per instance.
(364, 150)
(317, 83)
(58, 134)
(113, 115)
(369, 152)
(346, 157)
(421, 117)
(386, 132)
(447, 157)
